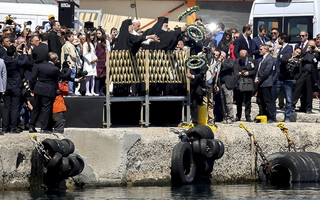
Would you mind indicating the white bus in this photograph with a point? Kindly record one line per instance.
(289, 16)
(22, 12)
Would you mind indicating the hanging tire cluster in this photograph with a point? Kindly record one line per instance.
(194, 156)
(64, 162)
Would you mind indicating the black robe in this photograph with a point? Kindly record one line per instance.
(127, 41)
(168, 39)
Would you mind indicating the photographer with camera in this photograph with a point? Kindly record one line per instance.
(9, 25)
(47, 26)
(26, 32)
(306, 78)
(12, 94)
(211, 78)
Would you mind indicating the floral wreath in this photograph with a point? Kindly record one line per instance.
(195, 62)
(195, 32)
(188, 12)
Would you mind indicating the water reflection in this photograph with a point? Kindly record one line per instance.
(200, 191)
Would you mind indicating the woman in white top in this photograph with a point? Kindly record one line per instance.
(90, 59)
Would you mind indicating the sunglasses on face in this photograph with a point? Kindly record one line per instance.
(273, 33)
(302, 35)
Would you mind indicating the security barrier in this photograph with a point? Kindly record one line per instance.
(156, 67)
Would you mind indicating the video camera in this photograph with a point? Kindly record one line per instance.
(65, 65)
(81, 73)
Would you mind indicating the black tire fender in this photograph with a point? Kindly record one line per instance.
(64, 147)
(74, 165)
(203, 146)
(196, 146)
(183, 168)
(213, 148)
(65, 167)
(81, 162)
(221, 149)
(55, 161)
(71, 145)
(204, 167)
(297, 167)
(209, 168)
(51, 146)
(200, 132)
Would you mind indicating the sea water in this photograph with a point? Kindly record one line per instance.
(220, 191)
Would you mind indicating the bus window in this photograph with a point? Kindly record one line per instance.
(293, 26)
(272, 22)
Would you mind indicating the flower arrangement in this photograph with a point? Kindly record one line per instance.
(188, 12)
(195, 62)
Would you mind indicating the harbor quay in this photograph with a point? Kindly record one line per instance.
(142, 156)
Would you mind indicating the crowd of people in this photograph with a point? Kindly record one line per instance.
(39, 67)
(240, 67)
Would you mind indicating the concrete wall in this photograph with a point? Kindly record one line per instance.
(138, 156)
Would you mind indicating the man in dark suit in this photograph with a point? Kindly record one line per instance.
(257, 41)
(306, 78)
(264, 82)
(5, 43)
(44, 85)
(40, 53)
(244, 41)
(303, 44)
(54, 42)
(12, 94)
(285, 80)
(196, 77)
(244, 68)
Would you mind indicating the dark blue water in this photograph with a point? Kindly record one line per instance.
(239, 191)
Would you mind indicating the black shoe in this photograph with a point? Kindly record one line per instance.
(46, 131)
(32, 130)
(1, 133)
(15, 131)
(237, 119)
(309, 112)
(21, 127)
(249, 120)
(301, 110)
